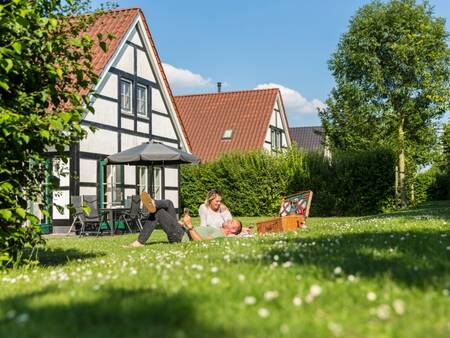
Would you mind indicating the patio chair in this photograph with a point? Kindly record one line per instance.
(133, 216)
(92, 221)
(78, 216)
(128, 202)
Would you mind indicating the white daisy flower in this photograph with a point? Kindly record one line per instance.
(263, 312)
(297, 301)
(270, 295)
(315, 290)
(337, 270)
(399, 306)
(383, 312)
(371, 296)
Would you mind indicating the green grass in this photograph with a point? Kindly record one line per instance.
(379, 276)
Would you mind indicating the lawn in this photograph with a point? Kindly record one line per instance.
(377, 276)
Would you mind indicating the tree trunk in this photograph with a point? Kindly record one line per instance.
(401, 164)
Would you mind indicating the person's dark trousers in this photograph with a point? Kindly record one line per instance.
(166, 216)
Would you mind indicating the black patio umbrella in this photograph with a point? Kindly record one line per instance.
(151, 153)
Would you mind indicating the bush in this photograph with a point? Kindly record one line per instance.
(432, 185)
(46, 73)
(253, 184)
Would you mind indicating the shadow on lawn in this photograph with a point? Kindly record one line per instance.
(110, 312)
(420, 259)
(439, 209)
(58, 256)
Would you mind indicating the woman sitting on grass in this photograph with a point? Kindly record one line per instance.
(213, 213)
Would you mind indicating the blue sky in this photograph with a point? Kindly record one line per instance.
(250, 44)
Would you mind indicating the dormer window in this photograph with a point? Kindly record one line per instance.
(228, 133)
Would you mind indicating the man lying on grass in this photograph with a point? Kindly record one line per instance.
(163, 212)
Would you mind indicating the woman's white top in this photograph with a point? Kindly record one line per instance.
(211, 218)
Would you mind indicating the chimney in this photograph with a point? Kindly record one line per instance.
(219, 87)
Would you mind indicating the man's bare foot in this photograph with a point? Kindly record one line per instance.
(135, 244)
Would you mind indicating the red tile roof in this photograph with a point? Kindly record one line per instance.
(118, 22)
(207, 116)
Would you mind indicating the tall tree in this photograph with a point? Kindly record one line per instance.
(46, 73)
(392, 72)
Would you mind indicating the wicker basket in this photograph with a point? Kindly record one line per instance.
(280, 224)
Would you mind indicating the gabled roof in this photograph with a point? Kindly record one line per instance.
(207, 116)
(119, 22)
(308, 138)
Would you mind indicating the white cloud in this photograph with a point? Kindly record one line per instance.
(184, 80)
(294, 102)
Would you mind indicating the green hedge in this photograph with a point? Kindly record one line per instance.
(432, 185)
(253, 184)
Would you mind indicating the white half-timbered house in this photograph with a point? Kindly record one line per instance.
(134, 104)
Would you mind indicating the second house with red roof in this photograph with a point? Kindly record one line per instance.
(247, 120)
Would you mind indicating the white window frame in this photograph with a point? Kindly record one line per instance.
(114, 185)
(157, 183)
(138, 104)
(142, 179)
(276, 139)
(126, 110)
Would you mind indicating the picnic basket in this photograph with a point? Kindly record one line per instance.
(280, 224)
(294, 211)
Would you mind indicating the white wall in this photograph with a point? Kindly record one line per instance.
(143, 66)
(101, 142)
(273, 118)
(135, 38)
(125, 59)
(162, 126)
(105, 112)
(268, 136)
(279, 123)
(127, 123)
(276, 121)
(284, 140)
(88, 170)
(171, 177)
(130, 174)
(157, 101)
(129, 141)
(109, 86)
(173, 196)
(88, 191)
(143, 127)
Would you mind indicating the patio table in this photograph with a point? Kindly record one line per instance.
(112, 212)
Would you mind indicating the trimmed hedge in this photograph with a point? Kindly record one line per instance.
(253, 184)
(432, 185)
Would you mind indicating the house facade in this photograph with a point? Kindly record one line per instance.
(133, 104)
(246, 120)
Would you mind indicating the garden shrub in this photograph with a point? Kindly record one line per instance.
(253, 184)
(46, 74)
(364, 181)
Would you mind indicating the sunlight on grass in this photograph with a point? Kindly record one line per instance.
(379, 276)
